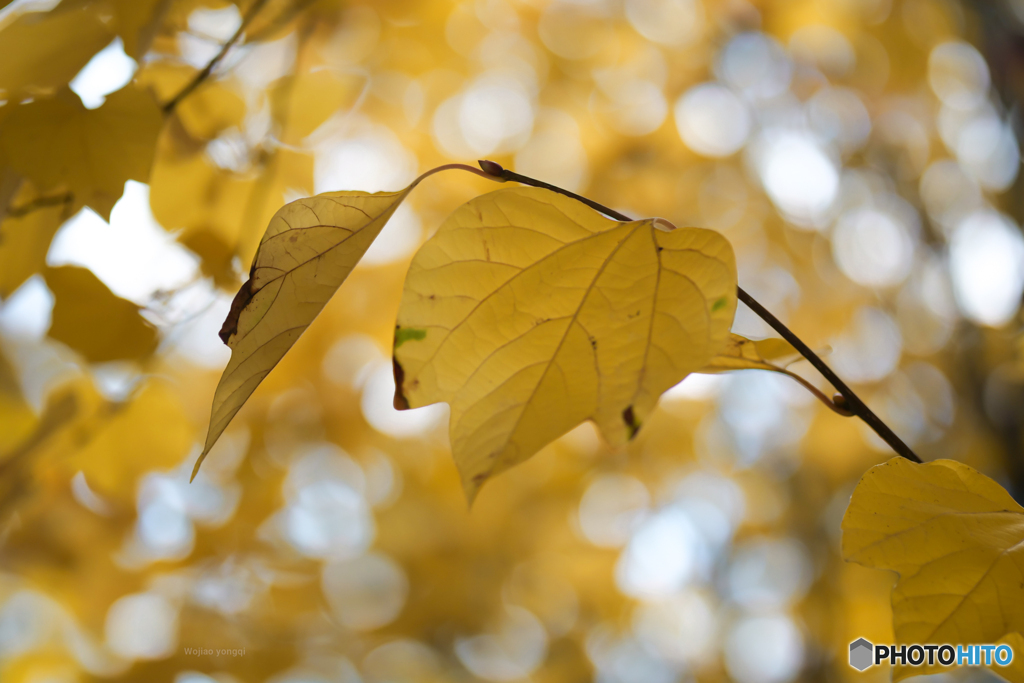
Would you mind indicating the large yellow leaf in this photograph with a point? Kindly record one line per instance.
(308, 250)
(92, 320)
(529, 313)
(42, 51)
(956, 539)
(59, 143)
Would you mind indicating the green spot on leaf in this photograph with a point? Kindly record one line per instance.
(719, 304)
(404, 334)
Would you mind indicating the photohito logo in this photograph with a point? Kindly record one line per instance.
(863, 655)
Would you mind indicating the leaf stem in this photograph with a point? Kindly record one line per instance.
(212, 64)
(837, 407)
(851, 402)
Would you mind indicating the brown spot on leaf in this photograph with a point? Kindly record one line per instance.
(401, 403)
(238, 304)
(630, 419)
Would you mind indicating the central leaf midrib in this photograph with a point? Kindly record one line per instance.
(568, 328)
(500, 287)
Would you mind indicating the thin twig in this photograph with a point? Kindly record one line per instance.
(837, 408)
(208, 69)
(851, 402)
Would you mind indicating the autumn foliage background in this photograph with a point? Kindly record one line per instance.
(860, 155)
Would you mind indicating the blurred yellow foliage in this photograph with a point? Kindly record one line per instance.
(861, 159)
(59, 144)
(90, 319)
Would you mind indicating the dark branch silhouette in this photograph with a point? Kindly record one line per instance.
(208, 69)
(39, 203)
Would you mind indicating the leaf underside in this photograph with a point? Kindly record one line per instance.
(308, 251)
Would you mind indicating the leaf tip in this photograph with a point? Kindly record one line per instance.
(199, 462)
(471, 487)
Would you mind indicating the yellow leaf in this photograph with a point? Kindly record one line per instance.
(956, 539)
(42, 51)
(59, 143)
(284, 173)
(741, 353)
(11, 181)
(89, 318)
(215, 254)
(209, 109)
(308, 250)
(149, 432)
(137, 22)
(25, 238)
(16, 417)
(186, 193)
(63, 410)
(301, 102)
(529, 313)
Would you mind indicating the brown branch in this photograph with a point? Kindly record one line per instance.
(39, 203)
(850, 401)
(208, 69)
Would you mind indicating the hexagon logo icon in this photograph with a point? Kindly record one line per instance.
(861, 654)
